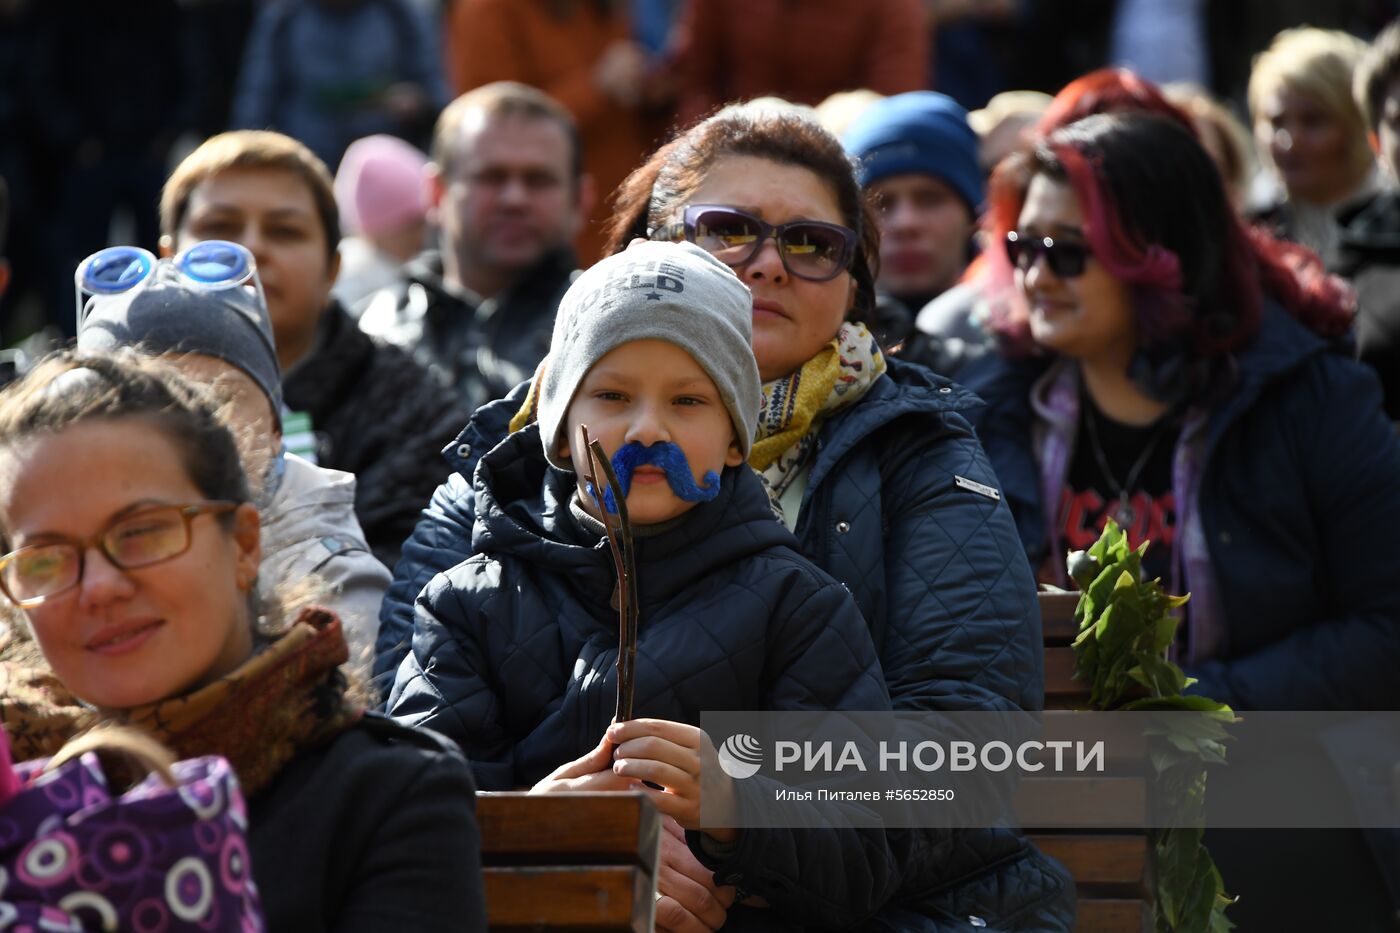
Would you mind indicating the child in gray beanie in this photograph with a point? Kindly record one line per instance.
(222, 338)
(515, 649)
(666, 313)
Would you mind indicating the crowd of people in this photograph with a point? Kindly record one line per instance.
(296, 510)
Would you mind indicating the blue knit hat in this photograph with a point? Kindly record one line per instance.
(922, 131)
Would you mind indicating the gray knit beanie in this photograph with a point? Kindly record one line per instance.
(230, 324)
(674, 292)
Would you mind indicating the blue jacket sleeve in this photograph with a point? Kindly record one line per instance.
(443, 536)
(442, 684)
(963, 624)
(820, 653)
(1349, 463)
(840, 874)
(441, 540)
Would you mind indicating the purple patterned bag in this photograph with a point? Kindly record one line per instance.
(73, 857)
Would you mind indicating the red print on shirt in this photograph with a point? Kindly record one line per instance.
(1084, 514)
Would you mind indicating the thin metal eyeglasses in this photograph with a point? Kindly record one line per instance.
(809, 249)
(150, 535)
(1066, 260)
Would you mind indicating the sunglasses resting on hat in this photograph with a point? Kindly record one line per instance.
(208, 266)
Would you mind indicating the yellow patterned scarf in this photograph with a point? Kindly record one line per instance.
(795, 406)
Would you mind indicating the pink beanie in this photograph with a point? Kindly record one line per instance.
(379, 186)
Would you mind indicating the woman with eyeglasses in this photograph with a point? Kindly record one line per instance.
(129, 557)
(1184, 377)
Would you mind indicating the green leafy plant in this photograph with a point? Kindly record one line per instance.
(1126, 626)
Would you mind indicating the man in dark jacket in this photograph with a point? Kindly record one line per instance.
(374, 412)
(507, 191)
(918, 164)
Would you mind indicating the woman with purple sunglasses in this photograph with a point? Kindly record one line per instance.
(872, 463)
(874, 466)
(1188, 379)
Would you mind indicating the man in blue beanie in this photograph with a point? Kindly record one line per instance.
(918, 159)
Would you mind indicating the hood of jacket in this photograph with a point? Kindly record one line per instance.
(522, 510)
(311, 502)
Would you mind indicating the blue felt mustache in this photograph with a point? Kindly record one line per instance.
(669, 458)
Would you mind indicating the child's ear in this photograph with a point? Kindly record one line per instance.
(734, 456)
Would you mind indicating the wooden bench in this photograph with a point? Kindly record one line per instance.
(1112, 869)
(569, 861)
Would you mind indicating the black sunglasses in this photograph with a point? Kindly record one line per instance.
(1066, 260)
(810, 249)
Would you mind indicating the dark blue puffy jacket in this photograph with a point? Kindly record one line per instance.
(514, 654)
(514, 649)
(936, 570)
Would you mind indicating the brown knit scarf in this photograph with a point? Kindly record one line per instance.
(281, 700)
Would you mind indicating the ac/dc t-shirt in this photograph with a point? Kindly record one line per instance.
(1091, 497)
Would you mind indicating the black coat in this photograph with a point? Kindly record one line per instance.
(374, 831)
(377, 414)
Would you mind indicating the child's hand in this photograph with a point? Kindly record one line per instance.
(591, 772)
(688, 900)
(674, 755)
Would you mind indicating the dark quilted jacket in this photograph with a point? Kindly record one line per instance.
(938, 573)
(377, 414)
(514, 652)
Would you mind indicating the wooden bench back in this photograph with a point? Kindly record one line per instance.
(569, 861)
(1112, 870)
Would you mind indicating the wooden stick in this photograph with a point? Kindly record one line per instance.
(621, 544)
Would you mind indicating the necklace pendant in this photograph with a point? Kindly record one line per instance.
(1123, 513)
